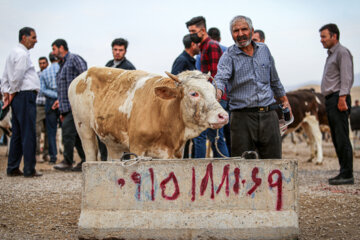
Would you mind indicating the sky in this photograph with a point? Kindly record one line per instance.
(155, 30)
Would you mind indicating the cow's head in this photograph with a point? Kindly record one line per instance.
(199, 107)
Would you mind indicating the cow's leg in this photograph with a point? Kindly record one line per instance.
(316, 133)
(310, 140)
(88, 140)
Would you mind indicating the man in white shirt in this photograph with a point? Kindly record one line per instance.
(20, 84)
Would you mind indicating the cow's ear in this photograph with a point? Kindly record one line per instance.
(166, 92)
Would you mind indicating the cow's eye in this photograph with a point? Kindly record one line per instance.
(194, 94)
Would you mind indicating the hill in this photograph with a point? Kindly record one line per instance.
(355, 91)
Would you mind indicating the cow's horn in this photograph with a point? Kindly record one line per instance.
(173, 77)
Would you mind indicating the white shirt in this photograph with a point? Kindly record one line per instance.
(19, 74)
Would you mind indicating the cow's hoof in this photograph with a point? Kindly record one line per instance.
(318, 163)
(309, 160)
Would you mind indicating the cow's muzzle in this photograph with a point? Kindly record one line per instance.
(222, 119)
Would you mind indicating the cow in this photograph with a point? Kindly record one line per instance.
(142, 113)
(309, 111)
(5, 126)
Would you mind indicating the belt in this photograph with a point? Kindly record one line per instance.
(258, 109)
(332, 94)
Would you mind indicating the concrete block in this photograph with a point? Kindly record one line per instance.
(190, 199)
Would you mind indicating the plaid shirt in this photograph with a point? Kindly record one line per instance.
(252, 81)
(40, 98)
(210, 56)
(70, 67)
(48, 81)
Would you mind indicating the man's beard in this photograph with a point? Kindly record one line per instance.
(248, 41)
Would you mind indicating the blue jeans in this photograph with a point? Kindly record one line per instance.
(200, 143)
(51, 119)
(23, 139)
(225, 105)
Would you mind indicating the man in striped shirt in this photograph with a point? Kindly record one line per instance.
(248, 71)
(48, 88)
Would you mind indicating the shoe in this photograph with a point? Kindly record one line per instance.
(63, 166)
(334, 178)
(46, 158)
(340, 180)
(52, 162)
(78, 167)
(35, 174)
(15, 173)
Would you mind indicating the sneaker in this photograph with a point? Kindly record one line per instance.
(15, 173)
(78, 167)
(340, 180)
(63, 166)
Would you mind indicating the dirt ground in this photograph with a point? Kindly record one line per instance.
(49, 207)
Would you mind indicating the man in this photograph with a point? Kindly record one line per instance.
(119, 47)
(210, 55)
(20, 85)
(185, 61)
(214, 34)
(259, 36)
(40, 118)
(48, 88)
(71, 66)
(248, 70)
(336, 83)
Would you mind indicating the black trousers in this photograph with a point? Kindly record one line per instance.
(255, 131)
(339, 126)
(71, 139)
(23, 139)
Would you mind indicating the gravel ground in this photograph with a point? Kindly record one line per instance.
(49, 207)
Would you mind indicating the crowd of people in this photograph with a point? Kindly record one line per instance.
(247, 87)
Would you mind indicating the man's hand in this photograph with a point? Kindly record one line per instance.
(285, 103)
(218, 95)
(8, 99)
(55, 105)
(61, 118)
(342, 106)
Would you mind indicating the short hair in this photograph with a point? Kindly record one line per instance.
(261, 34)
(120, 42)
(187, 41)
(43, 58)
(214, 34)
(197, 21)
(333, 29)
(25, 31)
(52, 57)
(238, 18)
(60, 42)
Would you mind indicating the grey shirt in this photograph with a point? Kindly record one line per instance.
(338, 72)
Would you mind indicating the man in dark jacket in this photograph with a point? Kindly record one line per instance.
(119, 46)
(185, 61)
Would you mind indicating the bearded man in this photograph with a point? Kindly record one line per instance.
(248, 71)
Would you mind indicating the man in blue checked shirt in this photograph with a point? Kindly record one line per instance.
(71, 66)
(248, 70)
(48, 88)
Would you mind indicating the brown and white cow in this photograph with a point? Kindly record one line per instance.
(308, 108)
(143, 113)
